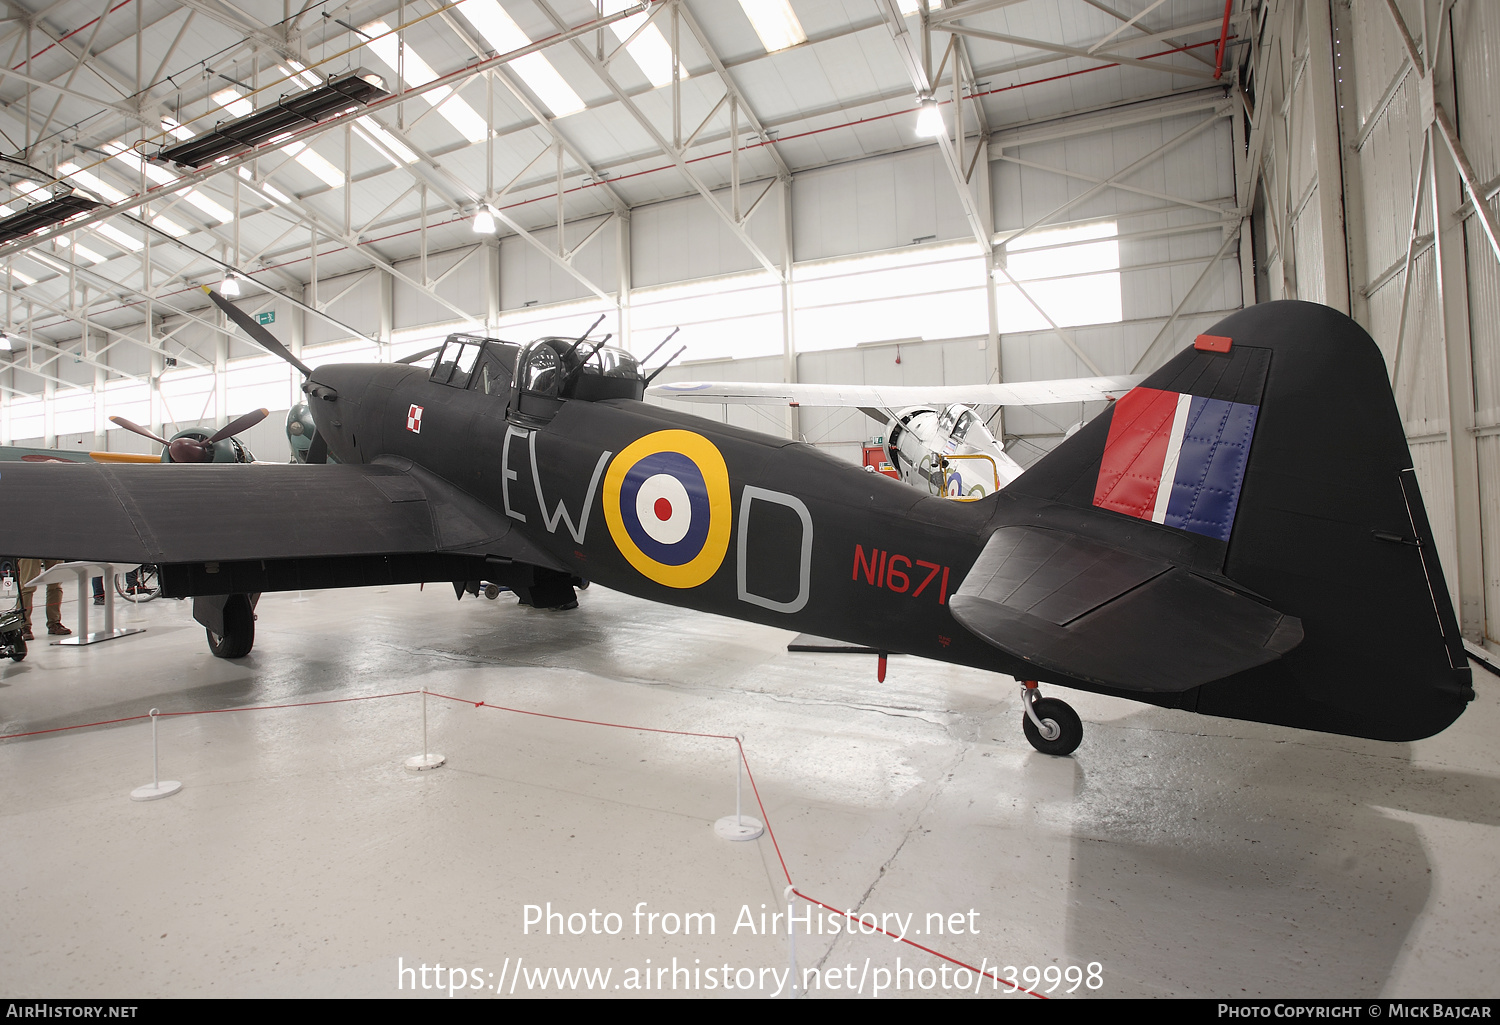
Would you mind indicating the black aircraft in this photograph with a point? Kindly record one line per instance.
(1241, 535)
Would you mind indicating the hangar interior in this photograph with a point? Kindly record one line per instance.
(1106, 180)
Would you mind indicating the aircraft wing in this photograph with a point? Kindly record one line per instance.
(195, 513)
(1018, 393)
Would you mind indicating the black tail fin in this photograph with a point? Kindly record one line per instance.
(1271, 454)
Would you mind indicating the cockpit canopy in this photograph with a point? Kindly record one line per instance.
(536, 378)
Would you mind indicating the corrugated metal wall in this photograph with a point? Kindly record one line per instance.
(1388, 174)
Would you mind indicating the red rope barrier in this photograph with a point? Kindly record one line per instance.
(771, 832)
(739, 745)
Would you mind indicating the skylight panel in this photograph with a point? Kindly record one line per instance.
(83, 252)
(775, 22)
(417, 72)
(383, 141)
(100, 187)
(129, 243)
(177, 130)
(504, 35)
(25, 279)
(90, 181)
(266, 188)
(232, 101)
(650, 49)
(127, 156)
(298, 74)
(316, 163)
(309, 158)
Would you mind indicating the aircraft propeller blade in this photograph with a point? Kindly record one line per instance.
(414, 357)
(247, 323)
(137, 429)
(244, 423)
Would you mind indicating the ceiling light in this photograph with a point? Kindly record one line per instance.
(775, 23)
(930, 121)
(484, 220)
(230, 288)
(339, 96)
(5, 342)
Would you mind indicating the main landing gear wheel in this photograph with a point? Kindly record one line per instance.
(1051, 726)
(239, 629)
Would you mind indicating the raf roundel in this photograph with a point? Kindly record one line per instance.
(666, 500)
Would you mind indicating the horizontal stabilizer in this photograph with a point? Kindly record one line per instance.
(1076, 606)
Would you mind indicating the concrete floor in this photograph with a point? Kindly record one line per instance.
(1179, 854)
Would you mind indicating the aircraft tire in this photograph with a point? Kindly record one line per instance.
(239, 629)
(1061, 714)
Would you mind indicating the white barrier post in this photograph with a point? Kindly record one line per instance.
(427, 759)
(738, 826)
(157, 788)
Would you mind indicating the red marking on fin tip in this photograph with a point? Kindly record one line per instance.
(1212, 343)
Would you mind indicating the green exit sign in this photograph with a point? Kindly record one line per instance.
(269, 317)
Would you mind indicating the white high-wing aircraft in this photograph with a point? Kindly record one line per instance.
(933, 439)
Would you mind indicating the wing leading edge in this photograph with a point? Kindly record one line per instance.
(174, 514)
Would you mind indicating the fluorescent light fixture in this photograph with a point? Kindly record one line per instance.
(230, 287)
(504, 35)
(25, 279)
(650, 49)
(775, 22)
(417, 72)
(484, 220)
(930, 121)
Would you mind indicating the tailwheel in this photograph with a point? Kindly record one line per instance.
(1051, 726)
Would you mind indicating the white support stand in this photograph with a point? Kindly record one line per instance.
(83, 571)
(738, 826)
(427, 759)
(158, 787)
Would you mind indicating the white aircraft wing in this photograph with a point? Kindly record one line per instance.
(1017, 393)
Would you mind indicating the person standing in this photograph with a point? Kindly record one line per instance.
(30, 569)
